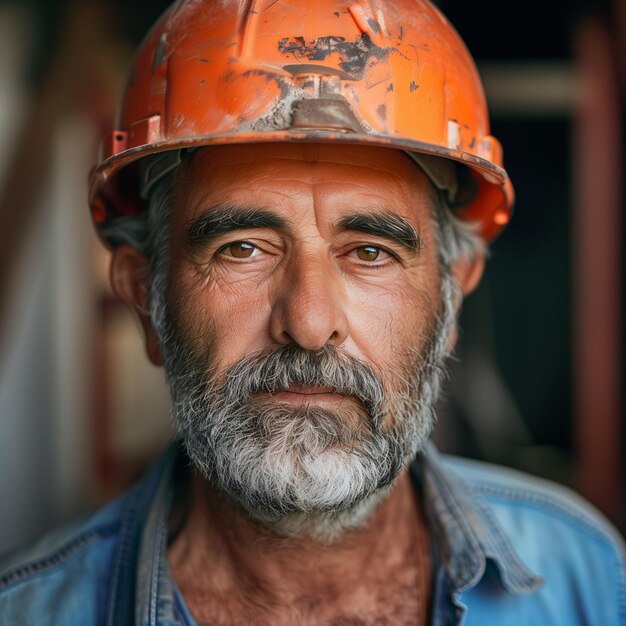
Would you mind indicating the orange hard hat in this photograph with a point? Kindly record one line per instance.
(390, 73)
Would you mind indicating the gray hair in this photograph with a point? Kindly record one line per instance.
(148, 232)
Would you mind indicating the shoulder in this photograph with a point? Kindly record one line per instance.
(63, 578)
(557, 534)
(84, 572)
(516, 497)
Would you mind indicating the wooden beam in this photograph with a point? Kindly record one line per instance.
(597, 280)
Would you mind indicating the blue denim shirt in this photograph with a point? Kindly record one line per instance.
(508, 550)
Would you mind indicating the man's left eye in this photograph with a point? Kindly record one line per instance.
(369, 253)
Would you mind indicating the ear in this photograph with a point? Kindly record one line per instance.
(129, 275)
(468, 272)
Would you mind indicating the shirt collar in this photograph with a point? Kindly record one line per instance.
(155, 601)
(465, 531)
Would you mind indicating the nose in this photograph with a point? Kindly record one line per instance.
(309, 308)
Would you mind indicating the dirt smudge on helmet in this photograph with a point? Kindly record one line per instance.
(354, 55)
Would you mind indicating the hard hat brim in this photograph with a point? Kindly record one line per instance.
(496, 197)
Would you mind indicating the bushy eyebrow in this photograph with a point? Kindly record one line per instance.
(383, 224)
(222, 219)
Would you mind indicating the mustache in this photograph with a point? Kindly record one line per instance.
(292, 365)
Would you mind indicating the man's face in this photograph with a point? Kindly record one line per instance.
(318, 275)
(304, 322)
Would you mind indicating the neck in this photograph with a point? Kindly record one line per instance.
(222, 552)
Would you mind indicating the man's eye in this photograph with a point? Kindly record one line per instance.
(239, 250)
(370, 253)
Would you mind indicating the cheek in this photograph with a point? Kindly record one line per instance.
(230, 317)
(403, 302)
(389, 322)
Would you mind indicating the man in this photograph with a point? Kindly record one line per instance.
(299, 196)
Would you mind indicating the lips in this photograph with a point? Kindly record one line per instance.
(310, 391)
(300, 394)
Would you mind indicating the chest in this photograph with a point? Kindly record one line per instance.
(400, 597)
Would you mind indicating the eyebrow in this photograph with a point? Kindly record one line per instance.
(222, 219)
(383, 224)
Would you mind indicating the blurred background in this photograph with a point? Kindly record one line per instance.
(538, 382)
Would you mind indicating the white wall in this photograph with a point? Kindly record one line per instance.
(44, 364)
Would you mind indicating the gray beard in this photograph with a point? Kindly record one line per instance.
(303, 470)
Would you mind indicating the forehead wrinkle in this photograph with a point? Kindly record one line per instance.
(314, 172)
(317, 170)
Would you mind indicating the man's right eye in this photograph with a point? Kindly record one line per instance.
(239, 250)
